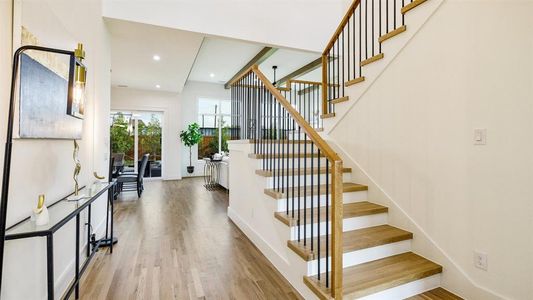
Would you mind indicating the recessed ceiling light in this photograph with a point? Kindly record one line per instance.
(211, 75)
(156, 57)
(157, 86)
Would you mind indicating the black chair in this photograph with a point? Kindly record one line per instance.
(134, 181)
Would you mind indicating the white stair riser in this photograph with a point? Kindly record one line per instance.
(285, 148)
(298, 136)
(284, 163)
(405, 290)
(361, 256)
(346, 198)
(304, 180)
(348, 224)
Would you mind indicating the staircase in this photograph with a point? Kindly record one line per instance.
(341, 241)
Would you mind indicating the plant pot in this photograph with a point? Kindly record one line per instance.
(190, 169)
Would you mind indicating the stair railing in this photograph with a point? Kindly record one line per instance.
(356, 43)
(305, 173)
(306, 97)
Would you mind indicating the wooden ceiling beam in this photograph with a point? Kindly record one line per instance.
(301, 71)
(260, 57)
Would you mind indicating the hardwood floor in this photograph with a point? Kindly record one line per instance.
(178, 243)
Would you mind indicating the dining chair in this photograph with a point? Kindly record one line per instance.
(134, 181)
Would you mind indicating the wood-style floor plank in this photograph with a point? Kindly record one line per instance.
(436, 294)
(177, 242)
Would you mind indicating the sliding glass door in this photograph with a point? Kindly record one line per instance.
(134, 134)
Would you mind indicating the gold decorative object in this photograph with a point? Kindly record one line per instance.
(98, 176)
(77, 169)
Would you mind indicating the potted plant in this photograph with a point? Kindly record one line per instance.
(191, 137)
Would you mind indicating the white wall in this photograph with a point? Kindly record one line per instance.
(189, 114)
(45, 166)
(168, 103)
(274, 24)
(469, 67)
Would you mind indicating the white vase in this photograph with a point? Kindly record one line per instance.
(41, 217)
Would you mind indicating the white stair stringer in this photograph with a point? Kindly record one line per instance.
(414, 20)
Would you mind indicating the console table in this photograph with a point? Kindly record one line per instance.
(61, 212)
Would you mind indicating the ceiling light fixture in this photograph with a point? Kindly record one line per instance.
(157, 86)
(274, 68)
(211, 75)
(156, 57)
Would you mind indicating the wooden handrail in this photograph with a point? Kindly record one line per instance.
(325, 53)
(336, 178)
(340, 28)
(313, 135)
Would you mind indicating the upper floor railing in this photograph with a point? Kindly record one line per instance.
(356, 43)
(305, 171)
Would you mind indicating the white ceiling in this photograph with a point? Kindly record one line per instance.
(287, 61)
(186, 56)
(223, 58)
(133, 46)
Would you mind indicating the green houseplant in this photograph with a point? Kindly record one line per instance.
(191, 137)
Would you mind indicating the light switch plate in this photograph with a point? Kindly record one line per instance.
(480, 136)
(481, 260)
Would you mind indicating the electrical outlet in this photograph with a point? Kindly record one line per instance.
(481, 260)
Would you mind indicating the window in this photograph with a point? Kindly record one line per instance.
(214, 118)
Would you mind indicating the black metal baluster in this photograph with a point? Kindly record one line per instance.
(373, 35)
(318, 214)
(312, 187)
(327, 223)
(394, 13)
(341, 82)
(354, 42)
(348, 58)
(379, 18)
(360, 38)
(338, 75)
(366, 29)
(387, 16)
(299, 176)
(292, 166)
(403, 16)
(305, 188)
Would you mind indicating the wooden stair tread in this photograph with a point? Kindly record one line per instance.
(322, 170)
(350, 210)
(326, 116)
(285, 155)
(347, 187)
(436, 294)
(353, 240)
(393, 33)
(354, 81)
(378, 275)
(412, 5)
(372, 59)
(340, 100)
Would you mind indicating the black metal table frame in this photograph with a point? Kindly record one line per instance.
(92, 248)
